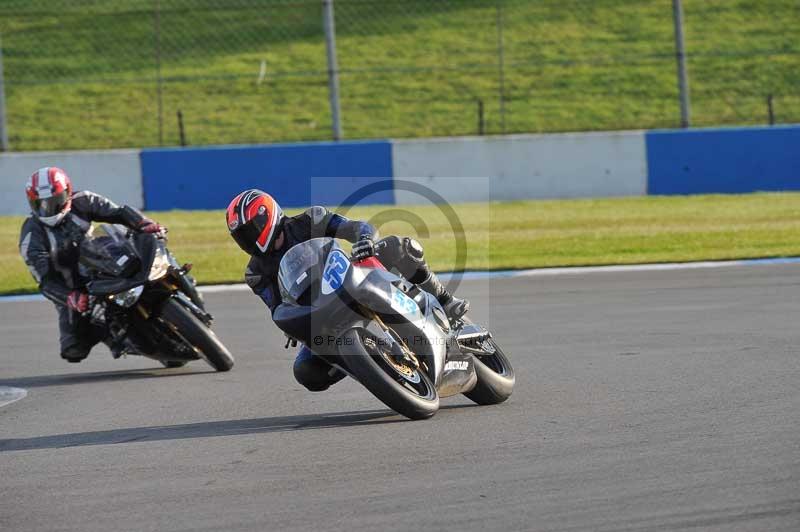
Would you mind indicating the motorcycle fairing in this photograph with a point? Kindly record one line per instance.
(390, 297)
(458, 375)
(318, 319)
(145, 246)
(106, 252)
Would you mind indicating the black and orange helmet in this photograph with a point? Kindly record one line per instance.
(253, 218)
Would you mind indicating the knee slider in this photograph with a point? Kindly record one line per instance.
(312, 376)
(75, 352)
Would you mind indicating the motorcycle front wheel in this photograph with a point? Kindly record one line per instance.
(197, 334)
(405, 389)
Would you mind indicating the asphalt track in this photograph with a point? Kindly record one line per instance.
(665, 400)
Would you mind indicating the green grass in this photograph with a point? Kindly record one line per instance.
(517, 234)
(81, 73)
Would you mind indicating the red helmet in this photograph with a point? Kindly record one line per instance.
(253, 218)
(49, 192)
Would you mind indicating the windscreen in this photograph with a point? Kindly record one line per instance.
(107, 251)
(300, 271)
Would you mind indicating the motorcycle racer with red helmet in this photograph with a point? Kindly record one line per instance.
(50, 245)
(257, 224)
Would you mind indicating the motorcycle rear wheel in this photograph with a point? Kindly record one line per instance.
(408, 392)
(496, 377)
(197, 334)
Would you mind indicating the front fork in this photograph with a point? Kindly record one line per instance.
(187, 283)
(399, 349)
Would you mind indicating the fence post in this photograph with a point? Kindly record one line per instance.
(181, 131)
(3, 123)
(481, 119)
(333, 67)
(770, 111)
(680, 52)
(501, 64)
(159, 89)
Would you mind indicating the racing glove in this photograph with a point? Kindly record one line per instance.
(151, 227)
(363, 249)
(78, 301)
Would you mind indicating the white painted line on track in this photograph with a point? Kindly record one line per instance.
(536, 272)
(21, 299)
(581, 270)
(9, 395)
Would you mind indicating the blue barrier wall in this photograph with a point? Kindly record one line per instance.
(734, 160)
(296, 175)
(723, 160)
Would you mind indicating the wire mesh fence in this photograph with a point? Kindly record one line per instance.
(116, 73)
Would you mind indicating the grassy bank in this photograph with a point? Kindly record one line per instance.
(82, 74)
(516, 235)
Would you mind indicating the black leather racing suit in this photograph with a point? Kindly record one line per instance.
(403, 255)
(52, 253)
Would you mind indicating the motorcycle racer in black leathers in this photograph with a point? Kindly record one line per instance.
(256, 222)
(50, 245)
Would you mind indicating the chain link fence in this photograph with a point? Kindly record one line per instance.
(120, 73)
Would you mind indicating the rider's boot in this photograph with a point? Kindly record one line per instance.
(453, 306)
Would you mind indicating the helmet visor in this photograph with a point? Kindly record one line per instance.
(247, 235)
(46, 207)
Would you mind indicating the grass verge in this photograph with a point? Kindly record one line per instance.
(523, 234)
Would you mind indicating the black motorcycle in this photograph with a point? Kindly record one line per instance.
(144, 302)
(385, 332)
